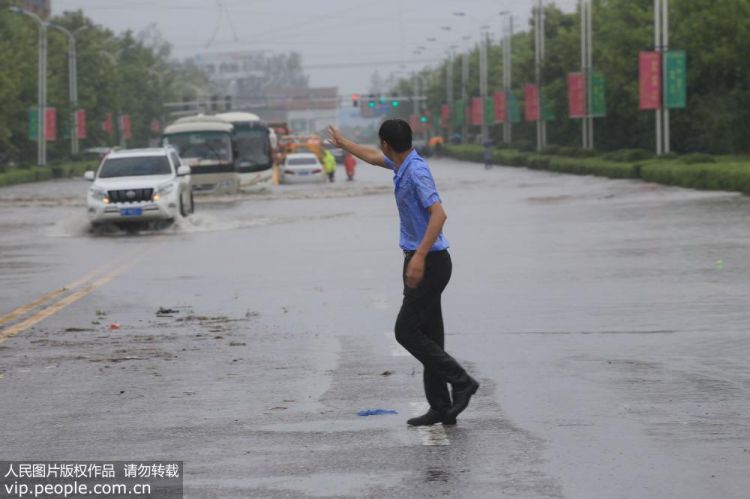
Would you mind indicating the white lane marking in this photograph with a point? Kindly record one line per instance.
(396, 349)
(430, 435)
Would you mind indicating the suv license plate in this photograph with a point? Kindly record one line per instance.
(131, 212)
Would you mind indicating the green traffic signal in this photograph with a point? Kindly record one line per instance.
(371, 103)
(396, 103)
(423, 119)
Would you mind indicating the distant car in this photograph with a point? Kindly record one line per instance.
(302, 167)
(139, 186)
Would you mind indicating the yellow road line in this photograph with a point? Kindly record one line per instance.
(18, 312)
(68, 300)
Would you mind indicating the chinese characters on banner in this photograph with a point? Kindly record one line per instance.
(125, 128)
(531, 99)
(649, 64)
(501, 107)
(477, 113)
(598, 102)
(675, 87)
(80, 124)
(576, 95)
(489, 110)
(50, 124)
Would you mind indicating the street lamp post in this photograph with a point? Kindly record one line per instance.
(507, 74)
(587, 66)
(661, 44)
(41, 86)
(541, 125)
(483, 42)
(72, 82)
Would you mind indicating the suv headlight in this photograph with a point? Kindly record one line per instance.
(99, 194)
(162, 190)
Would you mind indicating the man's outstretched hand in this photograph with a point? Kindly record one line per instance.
(334, 134)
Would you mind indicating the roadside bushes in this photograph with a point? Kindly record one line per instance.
(696, 171)
(27, 173)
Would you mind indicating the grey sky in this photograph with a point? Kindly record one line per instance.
(377, 33)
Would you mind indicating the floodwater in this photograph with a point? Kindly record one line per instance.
(607, 321)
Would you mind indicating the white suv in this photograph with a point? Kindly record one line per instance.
(139, 185)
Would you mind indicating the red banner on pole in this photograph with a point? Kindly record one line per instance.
(477, 111)
(108, 125)
(649, 64)
(501, 107)
(155, 126)
(445, 114)
(50, 124)
(80, 124)
(125, 129)
(532, 102)
(577, 95)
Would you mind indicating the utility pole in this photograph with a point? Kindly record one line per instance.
(508, 77)
(484, 40)
(587, 67)
(661, 45)
(41, 86)
(464, 92)
(72, 82)
(541, 125)
(449, 91)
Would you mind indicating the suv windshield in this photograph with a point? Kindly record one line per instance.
(134, 167)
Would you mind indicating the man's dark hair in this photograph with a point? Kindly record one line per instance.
(397, 133)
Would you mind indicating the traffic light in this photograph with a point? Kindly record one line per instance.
(371, 103)
(395, 103)
(423, 119)
(355, 100)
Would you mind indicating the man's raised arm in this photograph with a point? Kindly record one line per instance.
(366, 154)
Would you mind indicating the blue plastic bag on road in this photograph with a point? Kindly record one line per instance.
(376, 412)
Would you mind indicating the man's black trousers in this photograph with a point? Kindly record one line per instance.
(419, 329)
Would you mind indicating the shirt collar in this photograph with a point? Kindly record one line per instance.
(399, 172)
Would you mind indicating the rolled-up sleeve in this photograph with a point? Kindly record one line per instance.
(425, 187)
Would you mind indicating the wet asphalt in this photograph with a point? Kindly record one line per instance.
(607, 321)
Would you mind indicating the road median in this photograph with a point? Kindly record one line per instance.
(694, 171)
(12, 175)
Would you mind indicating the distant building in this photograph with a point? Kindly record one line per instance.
(42, 8)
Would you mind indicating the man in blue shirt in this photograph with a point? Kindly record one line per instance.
(427, 269)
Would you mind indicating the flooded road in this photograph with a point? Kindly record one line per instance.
(607, 321)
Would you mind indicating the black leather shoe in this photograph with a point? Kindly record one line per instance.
(431, 417)
(461, 396)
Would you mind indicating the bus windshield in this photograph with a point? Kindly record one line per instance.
(253, 146)
(202, 147)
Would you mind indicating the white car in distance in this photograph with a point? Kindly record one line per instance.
(139, 188)
(302, 167)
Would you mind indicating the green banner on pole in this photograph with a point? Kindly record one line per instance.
(675, 78)
(33, 123)
(598, 96)
(459, 113)
(489, 110)
(513, 109)
(548, 110)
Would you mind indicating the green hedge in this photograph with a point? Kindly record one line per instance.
(692, 171)
(21, 175)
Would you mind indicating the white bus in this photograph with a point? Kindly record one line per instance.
(252, 139)
(206, 144)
